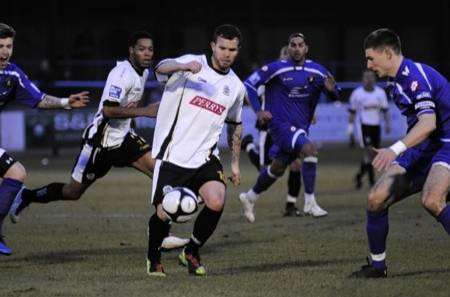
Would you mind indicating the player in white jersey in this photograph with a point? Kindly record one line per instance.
(109, 140)
(367, 103)
(201, 95)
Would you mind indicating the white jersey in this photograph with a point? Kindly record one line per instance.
(124, 87)
(368, 105)
(192, 113)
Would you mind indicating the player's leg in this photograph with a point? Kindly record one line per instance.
(435, 192)
(294, 186)
(393, 186)
(365, 164)
(213, 194)
(145, 164)
(13, 174)
(375, 141)
(249, 147)
(209, 182)
(267, 177)
(309, 170)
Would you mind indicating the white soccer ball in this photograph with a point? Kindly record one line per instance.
(179, 203)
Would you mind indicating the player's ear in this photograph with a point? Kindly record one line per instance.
(130, 50)
(307, 49)
(213, 45)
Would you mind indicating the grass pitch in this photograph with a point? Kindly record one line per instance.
(97, 246)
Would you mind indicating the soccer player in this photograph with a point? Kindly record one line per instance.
(109, 141)
(293, 88)
(201, 95)
(367, 103)
(259, 157)
(15, 85)
(420, 161)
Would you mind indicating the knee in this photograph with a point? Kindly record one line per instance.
(17, 172)
(72, 193)
(375, 202)
(161, 213)
(276, 170)
(432, 203)
(216, 202)
(309, 150)
(296, 166)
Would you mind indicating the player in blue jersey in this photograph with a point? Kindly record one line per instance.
(292, 91)
(420, 161)
(259, 157)
(15, 86)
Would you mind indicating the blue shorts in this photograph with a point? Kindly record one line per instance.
(287, 144)
(418, 160)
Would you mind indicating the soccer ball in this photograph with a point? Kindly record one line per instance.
(179, 203)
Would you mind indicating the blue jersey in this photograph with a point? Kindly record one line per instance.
(291, 92)
(15, 85)
(419, 89)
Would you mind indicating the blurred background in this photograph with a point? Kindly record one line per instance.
(68, 46)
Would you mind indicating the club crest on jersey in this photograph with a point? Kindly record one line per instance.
(208, 105)
(405, 72)
(115, 92)
(226, 90)
(414, 85)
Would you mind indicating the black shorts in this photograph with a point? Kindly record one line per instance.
(371, 135)
(94, 162)
(168, 174)
(6, 161)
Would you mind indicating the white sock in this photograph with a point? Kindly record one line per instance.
(291, 199)
(252, 196)
(310, 198)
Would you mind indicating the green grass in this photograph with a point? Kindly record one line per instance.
(97, 246)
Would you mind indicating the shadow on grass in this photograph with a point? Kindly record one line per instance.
(68, 256)
(272, 267)
(420, 272)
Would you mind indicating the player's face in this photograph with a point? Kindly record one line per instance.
(297, 49)
(225, 52)
(284, 53)
(142, 52)
(368, 79)
(379, 61)
(6, 49)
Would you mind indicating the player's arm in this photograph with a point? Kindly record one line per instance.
(170, 66)
(73, 101)
(113, 110)
(234, 132)
(425, 125)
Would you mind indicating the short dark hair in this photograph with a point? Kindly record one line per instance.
(132, 41)
(381, 38)
(296, 34)
(6, 31)
(227, 31)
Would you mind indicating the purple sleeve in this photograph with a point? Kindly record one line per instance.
(26, 92)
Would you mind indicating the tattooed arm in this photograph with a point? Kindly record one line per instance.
(234, 132)
(74, 101)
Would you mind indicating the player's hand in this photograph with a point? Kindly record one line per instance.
(383, 159)
(263, 117)
(79, 100)
(151, 110)
(330, 82)
(235, 177)
(193, 67)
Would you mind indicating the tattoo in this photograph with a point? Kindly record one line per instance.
(234, 140)
(50, 102)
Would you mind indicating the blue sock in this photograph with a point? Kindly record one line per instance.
(309, 168)
(377, 230)
(8, 191)
(264, 181)
(444, 218)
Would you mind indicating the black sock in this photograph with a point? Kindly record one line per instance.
(157, 231)
(254, 158)
(45, 194)
(294, 183)
(204, 227)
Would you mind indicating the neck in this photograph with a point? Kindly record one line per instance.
(369, 88)
(133, 63)
(299, 62)
(396, 63)
(215, 65)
